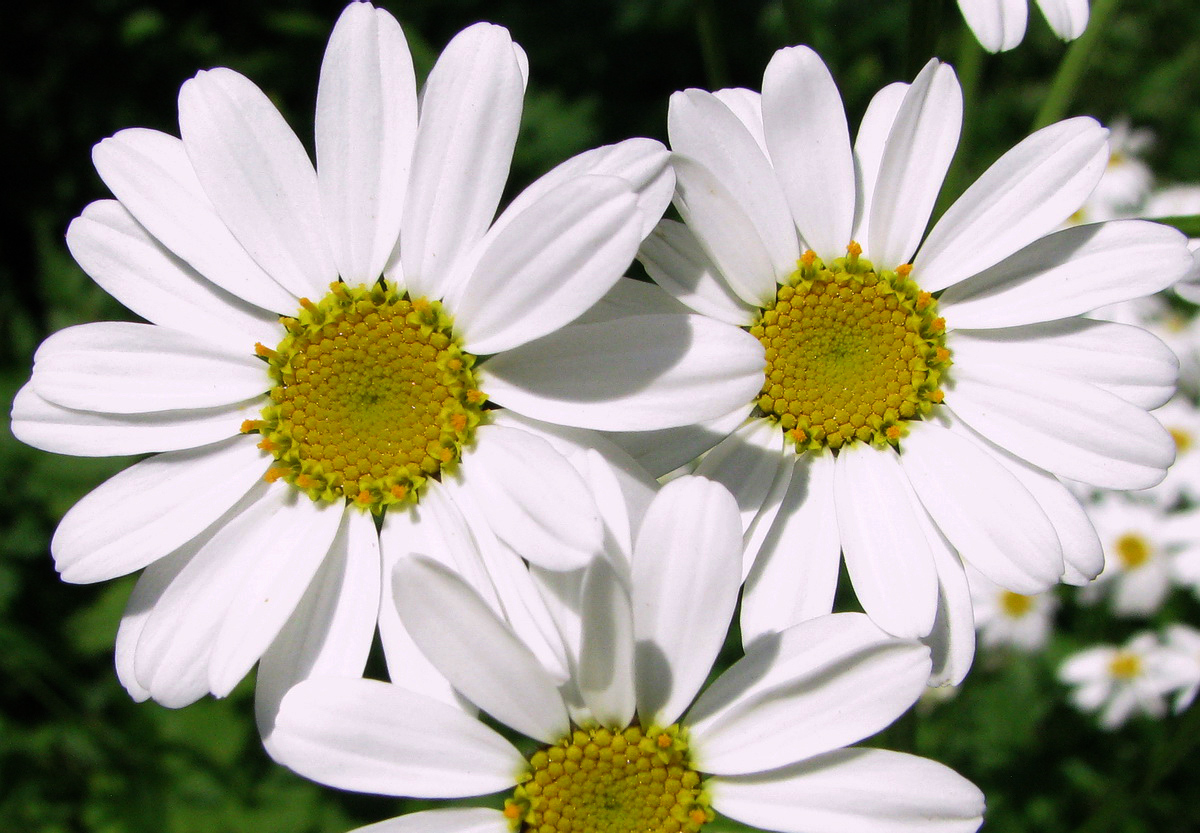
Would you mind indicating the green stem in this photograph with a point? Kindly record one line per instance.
(707, 29)
(1070, 71)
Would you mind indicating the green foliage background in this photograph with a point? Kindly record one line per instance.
(77, 755)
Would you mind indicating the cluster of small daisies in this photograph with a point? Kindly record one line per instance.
(375, 400)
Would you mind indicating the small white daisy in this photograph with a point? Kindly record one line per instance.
(1185, 640)
(1121, 682)
(1000, 24)
(406, 308)
(1005, 618)
(621, 745)
(920, 399)
(1181, 418)
(1144, 548)
(1180, 201)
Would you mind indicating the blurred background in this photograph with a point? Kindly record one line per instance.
(77, 755)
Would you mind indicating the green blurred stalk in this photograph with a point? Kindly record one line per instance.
(1070, 71)
(711, 53)
(925, 19)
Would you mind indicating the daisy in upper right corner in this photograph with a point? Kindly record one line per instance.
(921, 394)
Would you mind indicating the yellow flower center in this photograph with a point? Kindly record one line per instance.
(373, 397)
(852, 354)
(1133, 550)
(1125, 665)
(600, 781)
(1015, 605)
(1183, 439)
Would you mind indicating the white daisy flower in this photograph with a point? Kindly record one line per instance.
(916, 404)
(1121, 682)
(1143, 544)
(1182, 419)
(1180, 201)
(1000, 24)
(620, 743)
(1005, 618)
(276, 434)
(1185, 640)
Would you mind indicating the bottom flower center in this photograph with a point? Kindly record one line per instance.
(1015, 604)
(600, 781)
(1133, 550)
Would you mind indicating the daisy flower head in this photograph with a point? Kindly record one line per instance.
(1145, 549)
(1181, 418)
(1005, 618)
(1000, 24)
(1118, 683)
(922, 393)
(1185, 641)
(622, 742)
(327, 345)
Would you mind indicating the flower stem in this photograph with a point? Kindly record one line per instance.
(707, 29)
(1070, 71)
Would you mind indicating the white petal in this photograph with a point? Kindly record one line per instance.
(259, 177)
(661, 452)
(998, 24)
(1070, 428)
(130, 265)
(886, 552)
(795, 574)
(1068, 18)
(864, 790)
(706, 130)
(547, 265)
(812, 688)
(606, 651)
(50, 427)
(915, 160)
(475, 650)
(1122, 359)
(268, 592)
(755, 465)
(674, 259)
(443, 820)
(638, 373)
(366, 124)
(724, 232)
(747, 106)
(985, 512)
(1027, 192)
(869, 144)
(632, 297)
(952, 640)
(369, 736)
(470, 112)
(331, 630)
(152, 508)
(686, 571)
(532, 498)
(1068, 273)
(643, 163)
(805, 126)
(150, 586)
(124, 368)
(152, 176)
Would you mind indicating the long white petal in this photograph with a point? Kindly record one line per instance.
(886, 552)
(475, 650)
(869, 145)
(952, 640)
(998, 24)
(812, 688)
(366, 124)
(1070, 428)
(686, 571)
(640, 373)
(259, 177)
(605, 677)
(661, 452)
(150, 509)
(1068, 18)
(119, 367)
(805, 126)
(152, 176)
(443, 820)
(470, 112)
(374, 737)
(675, 260)
(1068, 273)
(1026, 193)
(865, 790)
(628, 297)
(151, 584)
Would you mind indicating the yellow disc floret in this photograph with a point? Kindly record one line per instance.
(852, 354)
(1015, 605)
(602, 781)
(1125, 665)
(373, 396)
(1133, 550)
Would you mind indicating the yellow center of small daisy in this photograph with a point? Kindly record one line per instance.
(1125, 665)
(852, 354)
(373, 397)
(1015, 605)
(601, 781)
(1183, 440)
(1133, 550)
